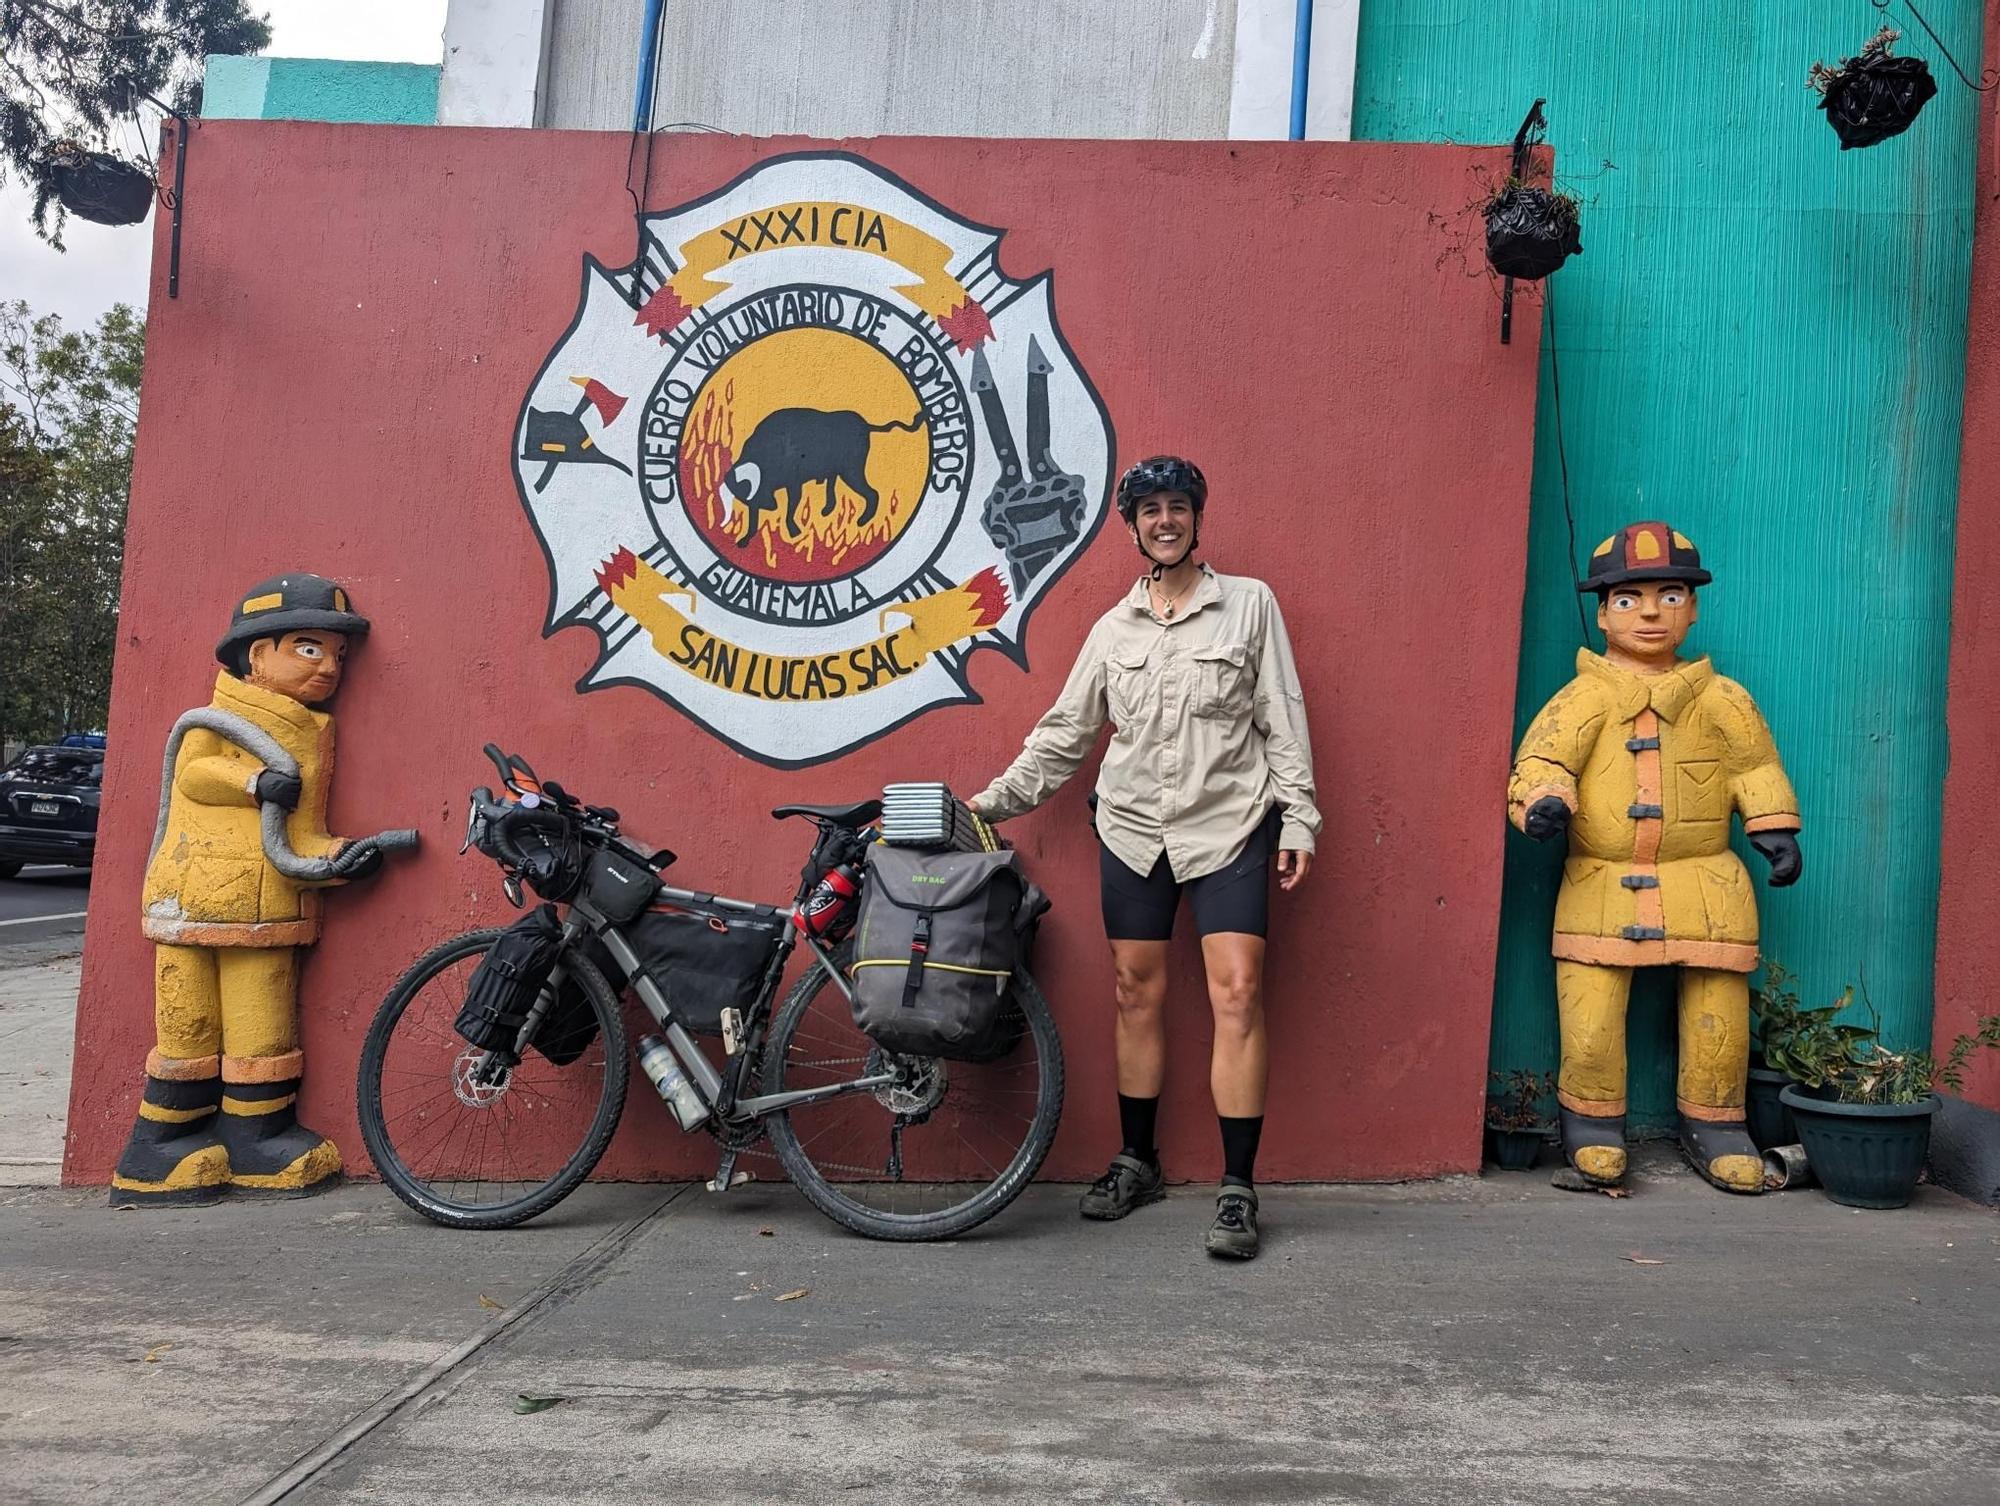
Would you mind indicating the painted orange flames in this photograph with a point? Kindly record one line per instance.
(801, 538)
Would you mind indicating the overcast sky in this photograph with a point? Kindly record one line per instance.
(103, 265)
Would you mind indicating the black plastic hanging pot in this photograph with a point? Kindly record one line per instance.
(1530, 232)
(1874, 96)
(99, 187)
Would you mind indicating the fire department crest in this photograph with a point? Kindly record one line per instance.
(805, 455)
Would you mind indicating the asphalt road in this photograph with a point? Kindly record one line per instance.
(45, 900)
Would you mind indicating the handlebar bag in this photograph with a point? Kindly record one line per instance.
(706, 957)
(504, 986)
(935, 946)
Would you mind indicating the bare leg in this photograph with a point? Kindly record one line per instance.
(1141, 969)
(1240, 1061)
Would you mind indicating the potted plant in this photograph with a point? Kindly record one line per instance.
(1530, 230)
(1782, 1036)
(1864, 1111)
(1516, 1127)
(1873, 95)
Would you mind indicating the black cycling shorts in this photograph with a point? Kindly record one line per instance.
(1236, 897)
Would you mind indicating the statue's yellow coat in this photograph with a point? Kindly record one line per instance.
(1715, 757)
(210, 883)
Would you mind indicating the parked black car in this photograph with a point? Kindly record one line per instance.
(48, 807)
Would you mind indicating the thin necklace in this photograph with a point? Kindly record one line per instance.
(1167, 611)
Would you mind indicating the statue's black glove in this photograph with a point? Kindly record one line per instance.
(1781, 850)
(367, 865)
(1547, 817)
(277, 789)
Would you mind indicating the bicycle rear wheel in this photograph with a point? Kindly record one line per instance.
(939, 1153)
(484, 1154)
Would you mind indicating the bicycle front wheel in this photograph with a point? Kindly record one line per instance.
(941, 1151)
(465, 1144)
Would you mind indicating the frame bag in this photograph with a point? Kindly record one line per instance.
(706, 957)
(935, 947)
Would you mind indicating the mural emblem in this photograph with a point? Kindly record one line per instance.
(805, 455)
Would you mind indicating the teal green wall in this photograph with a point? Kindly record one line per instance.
(238, 88)
(1763, 343)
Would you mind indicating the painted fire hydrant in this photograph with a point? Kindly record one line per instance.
(1642, 759)
(231, 893)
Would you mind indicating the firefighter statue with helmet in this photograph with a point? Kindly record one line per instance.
(1642, 760)
(231, 893)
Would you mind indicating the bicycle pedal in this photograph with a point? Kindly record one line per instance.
(736, 1179)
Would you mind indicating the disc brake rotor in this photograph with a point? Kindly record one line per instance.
(919, 1086)
(477, 1085)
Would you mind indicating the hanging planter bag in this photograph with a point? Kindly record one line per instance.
(1874, 96)
(1530, 232)
(99, 187)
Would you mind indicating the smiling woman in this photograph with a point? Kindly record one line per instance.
(1209, 768)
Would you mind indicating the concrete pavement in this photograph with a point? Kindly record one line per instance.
(1488, 1341)
(38, 983)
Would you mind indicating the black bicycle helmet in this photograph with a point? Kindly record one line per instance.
(1161, 473)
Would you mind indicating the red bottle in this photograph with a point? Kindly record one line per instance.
(829, 909)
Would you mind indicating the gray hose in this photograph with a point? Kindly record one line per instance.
(267, 750)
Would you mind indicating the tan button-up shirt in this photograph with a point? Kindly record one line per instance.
(1210, 730)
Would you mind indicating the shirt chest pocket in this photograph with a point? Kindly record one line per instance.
(1223, 681)
(1703, 791)
(1130, 689)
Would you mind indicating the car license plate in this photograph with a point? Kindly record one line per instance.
(44, 808)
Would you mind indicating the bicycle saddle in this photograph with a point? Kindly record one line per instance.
(852, 816)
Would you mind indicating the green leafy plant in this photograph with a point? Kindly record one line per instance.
(1804, 1044)
(1850, 1060)
(1516, 1102)
(1879, 1075)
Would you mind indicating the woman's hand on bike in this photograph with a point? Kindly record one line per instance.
(1293, 868)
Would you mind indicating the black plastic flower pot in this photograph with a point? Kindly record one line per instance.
(1515, 1149)
(1866, 1155)
(1530, 232)
(1873, 98)
(102, 188)
(1770, 1121)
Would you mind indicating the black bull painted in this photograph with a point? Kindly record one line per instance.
(794, 446)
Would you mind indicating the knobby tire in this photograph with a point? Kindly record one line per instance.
(410, 1187)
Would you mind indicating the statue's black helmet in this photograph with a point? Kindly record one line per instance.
(285, 604)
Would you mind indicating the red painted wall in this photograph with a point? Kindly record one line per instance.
(336, 389)
(1968, 945)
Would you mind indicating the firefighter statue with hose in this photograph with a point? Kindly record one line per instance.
(231, 894)
(1641, 761)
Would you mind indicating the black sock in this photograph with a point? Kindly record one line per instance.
(1136, 1117)
(1239, 1148)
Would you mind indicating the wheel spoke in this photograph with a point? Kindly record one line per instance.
(482, 1154)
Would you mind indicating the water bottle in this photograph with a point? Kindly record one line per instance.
(823, 912)
(682, 1096)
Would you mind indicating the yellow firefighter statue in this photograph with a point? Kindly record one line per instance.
(1642, 759)
(231, 894)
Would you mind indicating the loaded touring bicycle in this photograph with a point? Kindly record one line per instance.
(909, 1082)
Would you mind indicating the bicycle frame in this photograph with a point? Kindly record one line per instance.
(723, 1093)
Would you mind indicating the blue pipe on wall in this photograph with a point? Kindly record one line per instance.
(1302, 36)
(649, 57)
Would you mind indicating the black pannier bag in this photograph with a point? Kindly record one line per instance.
(512, 974)
(508, 979)
(706, 957)
(937, 941)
